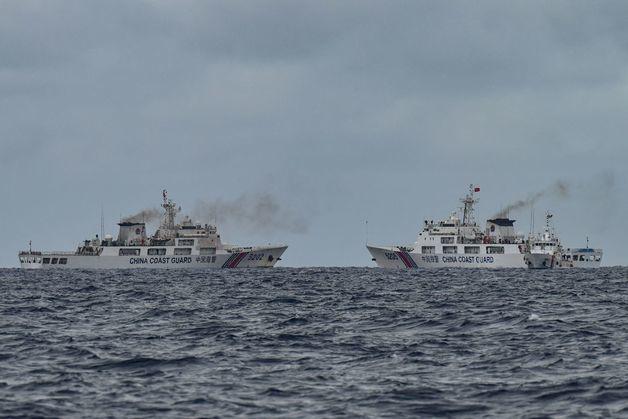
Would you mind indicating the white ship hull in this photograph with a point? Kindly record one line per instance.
(540, 260)
(394, 257)
(549, 261)
(255, 257)
(584, 258)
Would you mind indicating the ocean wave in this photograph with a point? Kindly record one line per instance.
(314, 342)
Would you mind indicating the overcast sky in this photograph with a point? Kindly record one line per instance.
(340, 111)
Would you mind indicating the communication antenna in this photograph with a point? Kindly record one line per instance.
(102, 222)
(532, 222)
(531, 217)
(367, 232)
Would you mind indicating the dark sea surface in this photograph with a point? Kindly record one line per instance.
(349, 342)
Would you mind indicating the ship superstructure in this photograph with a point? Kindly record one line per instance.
(183, 245)
(583, 257)
(458, 242)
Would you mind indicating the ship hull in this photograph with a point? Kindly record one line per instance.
(571, 258)
(396, 258)
(581, 258)
(540, 260)
(257, 257)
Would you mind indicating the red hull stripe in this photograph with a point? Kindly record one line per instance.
(238, 259)
(407, 259)
(403, 259)
(228, 261)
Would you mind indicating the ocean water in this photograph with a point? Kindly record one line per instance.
(347, 342)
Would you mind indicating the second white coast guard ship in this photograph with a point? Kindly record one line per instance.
(184, 245)
(456, 242)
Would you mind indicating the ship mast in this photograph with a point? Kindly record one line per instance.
(549, 231)
(468, 218)
(167, 228)
(548, 226)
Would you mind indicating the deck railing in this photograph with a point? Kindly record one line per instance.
(27, 253)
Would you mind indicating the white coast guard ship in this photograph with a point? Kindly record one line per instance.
(456, 242)
(184, 245)
(546, 252)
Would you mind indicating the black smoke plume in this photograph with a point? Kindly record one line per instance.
(258, 212)
(600, 184)
(144, 216)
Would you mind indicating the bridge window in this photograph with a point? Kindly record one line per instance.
(472, 250)
(183, 251)
(450, 249)
(156, 252)
(63, 261)
(208, 250)
(428, 250)
(447, 240)
(129, 252)
(186, 242)
(54, 261)
(46, 261)
(492, 250)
